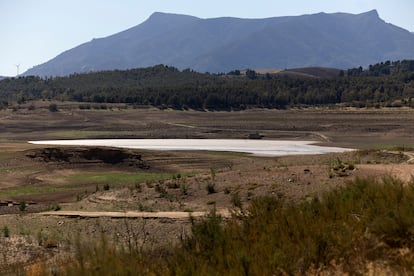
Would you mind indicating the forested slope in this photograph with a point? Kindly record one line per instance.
(383, 84)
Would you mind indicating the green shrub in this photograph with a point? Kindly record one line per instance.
(22, 206)
(53, 108)
(138, 187)
(213, 174)
(6, 232)
(173, 185)
(211, 187)
(236, 200)
(159, 188)
(184, 188)
(54, 207)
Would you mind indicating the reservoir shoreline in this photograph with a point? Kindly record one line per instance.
(256, 147)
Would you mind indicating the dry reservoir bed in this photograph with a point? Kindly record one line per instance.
(177, 182)
(257, 147)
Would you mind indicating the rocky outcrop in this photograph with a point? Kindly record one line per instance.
(88, 155)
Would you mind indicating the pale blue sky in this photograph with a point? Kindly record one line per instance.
(34, 31)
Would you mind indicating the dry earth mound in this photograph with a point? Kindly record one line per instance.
(88, 155)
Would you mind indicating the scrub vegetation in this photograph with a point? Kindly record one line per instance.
(366, 225)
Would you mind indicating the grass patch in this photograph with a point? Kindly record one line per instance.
(119, 178)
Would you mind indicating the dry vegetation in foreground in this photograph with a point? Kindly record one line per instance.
(364, 227)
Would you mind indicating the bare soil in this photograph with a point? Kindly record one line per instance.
(43, 178)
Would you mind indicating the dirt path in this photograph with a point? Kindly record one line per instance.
(410, 155)
(130, 214)
(322, 136)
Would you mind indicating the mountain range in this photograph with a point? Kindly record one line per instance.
(338, 40)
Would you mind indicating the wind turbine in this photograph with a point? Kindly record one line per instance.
(17, 68)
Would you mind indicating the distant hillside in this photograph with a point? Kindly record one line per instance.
(306, 72)
(337, 40)
(389, 84)
(313, 72)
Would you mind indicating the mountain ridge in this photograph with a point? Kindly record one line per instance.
(222, 44)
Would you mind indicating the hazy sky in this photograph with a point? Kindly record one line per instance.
(35, 31)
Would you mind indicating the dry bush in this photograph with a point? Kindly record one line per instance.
(368, 221)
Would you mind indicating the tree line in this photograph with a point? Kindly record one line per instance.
(383, 84)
